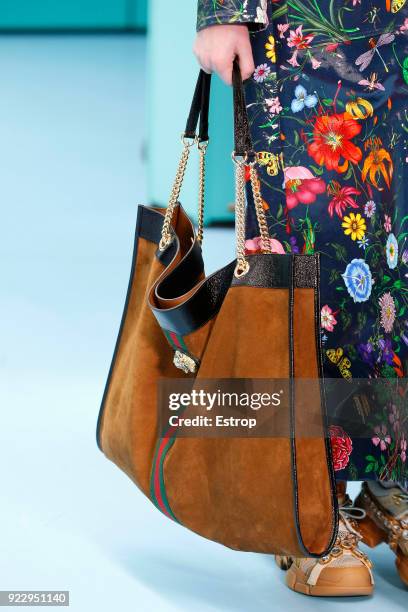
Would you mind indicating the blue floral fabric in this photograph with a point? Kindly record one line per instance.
(328, 109)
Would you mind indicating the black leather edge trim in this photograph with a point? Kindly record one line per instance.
(151, 224)
(202, 306)
(148, 226)
(266, 270)
(292, 398)
(141, 212)
(329, 457)
(272, 271)
(184, 276)
(306, 552)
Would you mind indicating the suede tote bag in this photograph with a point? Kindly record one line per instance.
(270, 494)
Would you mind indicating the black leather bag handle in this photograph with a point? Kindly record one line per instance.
(242, 154)
(242, 135)
(200, 109)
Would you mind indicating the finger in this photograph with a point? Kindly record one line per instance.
(205, 65)
(246, 60)
(226, 75)
(224, 70)
(203, 59)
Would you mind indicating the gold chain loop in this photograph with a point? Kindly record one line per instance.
(202, 150)
(259, 210)
(175, 192)
(242, 266)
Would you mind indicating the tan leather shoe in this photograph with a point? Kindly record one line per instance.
(386, 520)
(345, 571)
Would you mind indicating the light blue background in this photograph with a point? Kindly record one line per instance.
(55, 14)
(172, 71)
(72, 142)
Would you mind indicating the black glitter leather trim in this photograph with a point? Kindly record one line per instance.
(306, 271)
(273, 271)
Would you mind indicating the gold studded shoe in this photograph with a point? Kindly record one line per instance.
(386, 520)
(345, 571)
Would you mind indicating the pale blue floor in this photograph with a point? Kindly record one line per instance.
(71, 174)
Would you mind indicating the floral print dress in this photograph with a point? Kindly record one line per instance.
(328, 108)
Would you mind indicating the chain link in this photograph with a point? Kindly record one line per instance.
(202, 150)
(259, 210)
(175, 192)
(242, 266)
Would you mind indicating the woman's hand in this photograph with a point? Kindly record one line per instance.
(217, 46)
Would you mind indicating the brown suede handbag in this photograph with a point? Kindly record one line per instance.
(273, 494)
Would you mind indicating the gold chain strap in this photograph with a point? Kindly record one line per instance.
(259, 210)
(202, 149)
(242, 266)
(175, 192)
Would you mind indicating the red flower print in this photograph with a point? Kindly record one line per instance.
(331, 47)
(301, 187)
(341, 445)
(332, 136)
(341, 198)
(298, 39)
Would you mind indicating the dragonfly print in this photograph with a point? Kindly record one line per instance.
(364, 60)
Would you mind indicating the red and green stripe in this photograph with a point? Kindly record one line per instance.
(164, 444)
(176, 341)
(157, 486)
